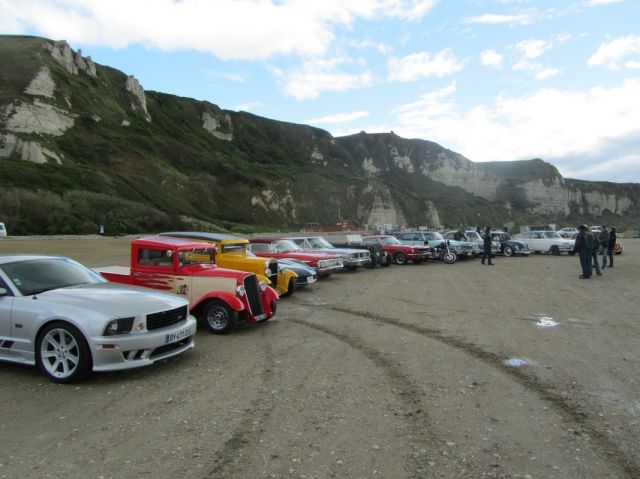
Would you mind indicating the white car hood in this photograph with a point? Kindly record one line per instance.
(113, 300)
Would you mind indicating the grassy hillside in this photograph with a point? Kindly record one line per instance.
(132, 175)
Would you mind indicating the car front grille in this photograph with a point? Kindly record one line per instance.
(170, 347)
(329, 263)
(252, 290)
(166, 318)
(273, 273)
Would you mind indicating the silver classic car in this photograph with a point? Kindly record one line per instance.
(68, 320)
(351, 257)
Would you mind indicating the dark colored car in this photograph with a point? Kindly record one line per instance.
(510, 246)
(306, 274)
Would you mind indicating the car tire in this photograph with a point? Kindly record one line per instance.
(62, 353)
(555, 251)
(219, 317)
(274, 306)
(400, 258)
(386, 259)
(508, 251)
(291, 287)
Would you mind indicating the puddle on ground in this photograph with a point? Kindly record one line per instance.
(545, 321)
(516, 362)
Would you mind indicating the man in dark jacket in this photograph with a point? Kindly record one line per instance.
(584, 246)
(609, 247)
(486, 238)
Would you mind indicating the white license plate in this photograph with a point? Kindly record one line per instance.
(173, 337)
(260, 317)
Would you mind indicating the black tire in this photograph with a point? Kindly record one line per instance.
(386, 259)
(291, 288)
(508, 251)
(219, 317)
(400, 258)
(62, 353)
(555, 251)
(449, 257)
(274, 306)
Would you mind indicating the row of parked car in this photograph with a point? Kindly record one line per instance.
(70, 320)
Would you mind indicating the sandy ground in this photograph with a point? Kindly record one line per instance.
(518, 370)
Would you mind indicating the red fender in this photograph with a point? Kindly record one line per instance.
(231, 299)
(269, 296)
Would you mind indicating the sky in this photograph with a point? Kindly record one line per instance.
(493, 80)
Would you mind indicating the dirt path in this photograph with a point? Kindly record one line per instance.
(407, 371)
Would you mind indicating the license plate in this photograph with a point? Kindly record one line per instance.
(173, 337)
(260, 317)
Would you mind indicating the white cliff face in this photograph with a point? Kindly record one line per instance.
(28, 150)
(38, 117)
(383, 210)
(369, 168)
(133, 86)
(402, 162)
(595, 202)
(42, 84)
(463, 174)
(72, 61)
(271, 200)
(317, 157)
(213, 126)
(548, 199)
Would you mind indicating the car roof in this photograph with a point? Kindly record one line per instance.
(13, 258)
(204, 236)
(265, 239)
(164, 241)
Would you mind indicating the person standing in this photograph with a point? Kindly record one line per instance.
(603, 243)
(583, 245)
(613, 238)
(593, 253)
(486, 242)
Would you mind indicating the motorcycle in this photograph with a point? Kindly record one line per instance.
(443, 253)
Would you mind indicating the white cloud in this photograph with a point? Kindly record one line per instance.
(532, 48)
(248, 106)
(602, 2)
(322, 75)
(339, 118)
(491, 58)
(423, 64)
(549, 124)
(545, 73)
(228, 29)
(608, 53)
(492, 19)
(632, 64)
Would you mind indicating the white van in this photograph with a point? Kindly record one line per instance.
(3, 230)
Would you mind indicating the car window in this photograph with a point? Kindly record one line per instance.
(260, 248)
(154, 257)
(286, 246)
(369, 240)
(234, 248)
(36, 276)
(196, 256)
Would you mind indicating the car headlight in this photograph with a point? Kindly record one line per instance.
(267, 271)
(240, 291)
(263, 286)
(118, 326)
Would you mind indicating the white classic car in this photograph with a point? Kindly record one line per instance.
(547, 242)
(68, 320)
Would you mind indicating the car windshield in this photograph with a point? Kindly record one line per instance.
(551, 234)
(196, 256)
(435, 236)
(39, 275)
(389, 240)
(319, 242)
(286, 246)
(234, 248)
(262, 248)
(472, 235)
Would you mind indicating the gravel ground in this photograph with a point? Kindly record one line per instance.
(518, 370)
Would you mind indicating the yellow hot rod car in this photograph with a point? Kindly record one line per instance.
(232, 253)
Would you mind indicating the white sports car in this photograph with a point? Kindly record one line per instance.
(69, 321)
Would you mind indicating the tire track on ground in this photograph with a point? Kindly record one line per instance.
(229, 454)
(570, 412)
(417, 463)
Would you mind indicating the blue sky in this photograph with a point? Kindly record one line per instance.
(490, 79)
